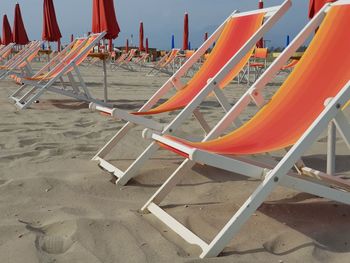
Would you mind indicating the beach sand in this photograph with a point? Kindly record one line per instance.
(58, 206)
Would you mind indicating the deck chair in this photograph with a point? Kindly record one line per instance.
(35, 86)
(6, 52)
(166, 65)
(235, 40)
(127, 62)
(312, 96)
(52, 63)
(21, 61)
(290, 65)
(141, 60)
(115, 62)
(255, 66)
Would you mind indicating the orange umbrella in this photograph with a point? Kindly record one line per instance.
(51, 31)
(186, 33)
(316, 5)
(19, 35)
(141, 47)
(6, 31)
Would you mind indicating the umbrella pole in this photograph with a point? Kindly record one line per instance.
(105, 80)
(48, 54)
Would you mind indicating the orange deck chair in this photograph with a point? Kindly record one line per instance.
(21, 61)
(235, 38)
(166, 65)
(289, 66)
(34, 87)
(312, 96)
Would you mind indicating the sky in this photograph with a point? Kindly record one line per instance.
(161, 18)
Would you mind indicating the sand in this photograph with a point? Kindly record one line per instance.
(58, 206)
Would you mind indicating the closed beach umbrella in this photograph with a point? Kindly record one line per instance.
(205, 36)
(6, 31)
(189, 45)
(172, 41)
(316, 5)
(71, 38)
(288, 41)
(51, 31)
(127, 46)
(260, 43)
(186, 33)
(141, 33)
(19, 35)
(104, 19)
(147, 45)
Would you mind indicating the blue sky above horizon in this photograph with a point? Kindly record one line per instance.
(161, 18)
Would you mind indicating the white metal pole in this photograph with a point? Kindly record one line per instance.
(331, 149)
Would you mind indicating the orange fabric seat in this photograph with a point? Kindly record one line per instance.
(235, 34)
(291, 64)
(320, 74)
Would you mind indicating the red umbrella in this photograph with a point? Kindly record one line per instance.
(51, 31)
(127, 46)
(104, 18)
(186, 33)
(316, 5)
(147, 50)
(260, 43)
(19, 35)
(6, 31)
(141, 47)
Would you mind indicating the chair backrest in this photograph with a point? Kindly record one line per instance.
(260, 53)
(78, 53)
(237, 31)
(321, 73)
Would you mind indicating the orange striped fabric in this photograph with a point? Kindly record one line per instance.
(321, 73)
(235, 34)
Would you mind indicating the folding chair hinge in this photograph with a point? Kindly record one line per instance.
(147, 133)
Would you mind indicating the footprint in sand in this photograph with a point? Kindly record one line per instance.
(56, 238)
(27, 142)
(71, 134)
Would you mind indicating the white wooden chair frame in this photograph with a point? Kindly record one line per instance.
(78, 89)
(13, 64)
(272, 15)
(316, 182)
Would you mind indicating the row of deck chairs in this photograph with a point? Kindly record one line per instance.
(313, 95)
(60, 75)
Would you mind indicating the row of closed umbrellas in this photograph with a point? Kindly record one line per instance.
(103, 19)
